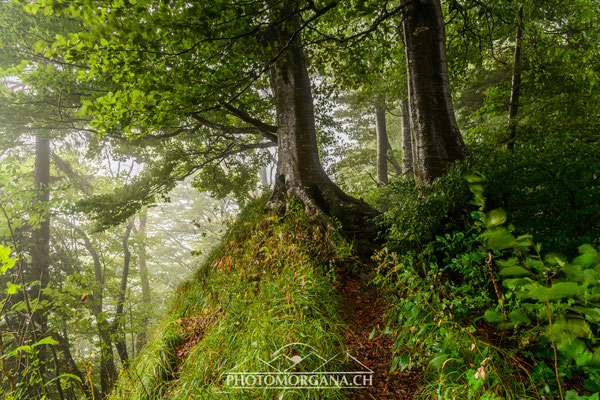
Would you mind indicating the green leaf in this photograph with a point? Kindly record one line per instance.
(439, 360)
(493, 316)
(513, 271)
(499, 239)
(39, 46)
(591, 314)
(565, 331)
(46, 340)
(519, 317)
(519, 284)
(587, 260)
(495, 218)
(401, 362)
(13, 288)
(25, 348)
(556, 291)
(372, 334)
(474, 178)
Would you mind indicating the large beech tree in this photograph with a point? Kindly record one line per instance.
(299, 171)
(214, 80)
(219, 78)
(436, 139)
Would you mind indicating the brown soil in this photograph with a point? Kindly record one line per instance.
(193, 329)
(365, 311)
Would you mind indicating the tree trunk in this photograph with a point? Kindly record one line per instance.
(71, 365)
(516, 85)
(145, 282)
(382, 141)
(40, 253)
(299, 171)
(61, 395)
(438, 141)
(262, 175)
(392, 159)
(120, 343)
(407, 147)
(108, 371)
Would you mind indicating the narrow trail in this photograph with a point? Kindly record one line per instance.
(365, 310)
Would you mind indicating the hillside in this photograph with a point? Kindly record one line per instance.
(274, 281)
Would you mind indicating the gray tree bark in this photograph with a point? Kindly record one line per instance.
(299, 171)
(382, 140)
(108, 371)
(407, 147)
(262, 175)
(120, 343)
(437, 139)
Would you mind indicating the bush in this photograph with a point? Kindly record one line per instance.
(493, 318)
(417, 214)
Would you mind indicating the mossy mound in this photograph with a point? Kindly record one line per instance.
(271, 283)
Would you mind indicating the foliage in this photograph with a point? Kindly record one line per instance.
(549, 189)
(554, 303)
(417, 214)
(448, 297)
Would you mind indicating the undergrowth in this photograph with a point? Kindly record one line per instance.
(271, 283)
(486, 314)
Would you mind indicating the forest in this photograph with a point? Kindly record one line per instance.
(300, 199)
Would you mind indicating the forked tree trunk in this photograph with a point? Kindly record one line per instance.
(299, 171)
(437, 139)
(407, 148)
(382, 141)
(392, 159)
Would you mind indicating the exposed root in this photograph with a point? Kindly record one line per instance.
(355, 216)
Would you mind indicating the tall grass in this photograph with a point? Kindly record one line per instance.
(272, 282)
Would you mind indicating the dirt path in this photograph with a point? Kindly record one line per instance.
(365, 309)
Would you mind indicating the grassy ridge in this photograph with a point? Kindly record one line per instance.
(272, 282)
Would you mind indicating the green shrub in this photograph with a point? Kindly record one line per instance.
(417, 214)
(490, 316)
(550, 190)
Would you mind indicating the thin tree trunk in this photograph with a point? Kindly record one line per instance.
(145, 282)
(438, 141)
(108, 371)
(262, 175)
(516, 84)
(382, 141)
(40, 253)
(407, 147)
(57, 374)
(299, 171)
(71, 365)
(392, 159)
(116, 329)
